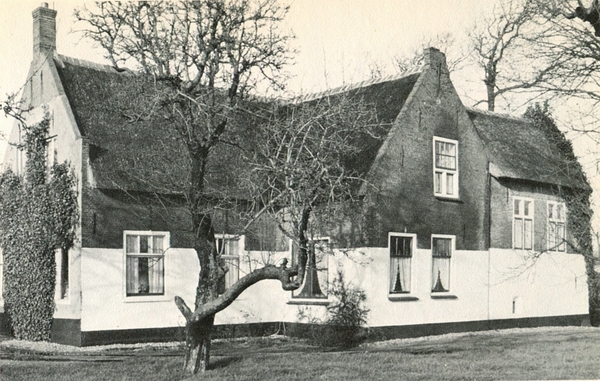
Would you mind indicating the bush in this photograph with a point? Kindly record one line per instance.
(346, 316)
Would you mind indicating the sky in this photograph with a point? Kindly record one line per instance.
(337, 42)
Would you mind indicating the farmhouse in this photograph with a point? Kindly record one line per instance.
(461, 202)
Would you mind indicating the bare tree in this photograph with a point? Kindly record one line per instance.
(305, 164)
(205, 56)
(499, 43)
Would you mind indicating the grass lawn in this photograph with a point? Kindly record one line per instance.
(544, 353)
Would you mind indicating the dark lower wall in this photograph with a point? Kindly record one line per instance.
(304, 330)
(67, 331)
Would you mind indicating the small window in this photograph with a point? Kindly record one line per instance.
(441, 251)
(401, 252)
(445, 167)
(556, 226)
(523, 223)
(62, 274)
(316, 278)
(145, 263)
(228, 248)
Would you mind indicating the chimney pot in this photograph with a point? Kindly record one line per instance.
(45, 5)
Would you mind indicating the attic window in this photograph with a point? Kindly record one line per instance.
(556, 226)
(445, 167)
(523, 223)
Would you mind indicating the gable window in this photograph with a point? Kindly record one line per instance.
(556, 226)
(62, 274)
(401, 248)
(445, 167)
(442, 248)
(145, 263)
(228, 247)
(522, 223)
(316, 276)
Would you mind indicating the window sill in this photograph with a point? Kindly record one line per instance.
(146, 299)
(309, 302)
(449, 199)
(402, 298)
(442, 295)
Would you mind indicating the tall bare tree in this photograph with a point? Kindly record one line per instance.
(206, 55)
(498, 43)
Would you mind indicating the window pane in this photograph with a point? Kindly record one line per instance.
(449, 184)
(400, 247)
(550, 211)
(560, 233)
(157, 244)
(527, 208)
(528, 235)
(517, 207)
(132, 244)
(518, 233)
(441, 275)
(438, 182)
(441, 247)
(400, 274)
(559, 212)
(145, 275)
(316, 275)
(143, 244)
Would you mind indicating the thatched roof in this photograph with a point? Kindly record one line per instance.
(141, 153)
(519, 150)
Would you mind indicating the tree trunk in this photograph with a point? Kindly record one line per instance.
(198, 337)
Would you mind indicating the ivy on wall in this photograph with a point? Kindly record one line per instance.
(579, 209)
(38, 215)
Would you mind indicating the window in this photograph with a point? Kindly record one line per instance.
(556, 226)
(445, 167)
(523, 223)
(228, 248)
(441, 249)
(145, 263)
(317, 272)
(62, 274)
(401, 251)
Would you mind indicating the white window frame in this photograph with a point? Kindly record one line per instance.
(449, 286)
(232, 261)
(58, 257)
(524, 218)
(392, 275)
(440, 186)
(166, 245)
(324, 288)
(556, 219)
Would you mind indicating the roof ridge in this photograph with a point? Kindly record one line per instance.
(351, 86)
(496, 114)
(90, 64)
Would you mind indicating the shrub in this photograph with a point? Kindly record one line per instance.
(343, 326)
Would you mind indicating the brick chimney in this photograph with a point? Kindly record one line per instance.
(44, 30)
